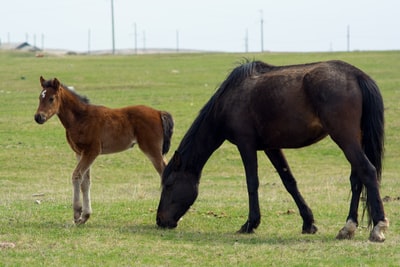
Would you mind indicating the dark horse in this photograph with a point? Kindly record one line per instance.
(264, 107)
(93, 130)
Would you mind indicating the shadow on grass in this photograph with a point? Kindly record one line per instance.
(224, 238)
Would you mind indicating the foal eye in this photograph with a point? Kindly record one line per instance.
(51, 99)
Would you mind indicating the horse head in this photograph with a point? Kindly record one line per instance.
(48, 100)
(179, 191)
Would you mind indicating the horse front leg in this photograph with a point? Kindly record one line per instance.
(278, 160)
(249, 158)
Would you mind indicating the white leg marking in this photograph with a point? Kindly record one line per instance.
(377, 233)
(85, 187)
(348, 231)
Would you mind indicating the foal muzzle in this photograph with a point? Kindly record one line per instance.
(40, 118)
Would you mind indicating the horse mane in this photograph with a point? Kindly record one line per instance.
(234, 79)
(245, 70)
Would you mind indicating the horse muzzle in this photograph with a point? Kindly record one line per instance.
(40, 118)
(163, 223)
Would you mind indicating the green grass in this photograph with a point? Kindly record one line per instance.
(36, 159)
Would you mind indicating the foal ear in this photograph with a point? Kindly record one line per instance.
(56, 83)
(42, 80)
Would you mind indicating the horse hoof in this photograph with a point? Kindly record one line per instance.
(244, 231)
(377, 233)
(247, 228)
(348, 231)
(310, 230)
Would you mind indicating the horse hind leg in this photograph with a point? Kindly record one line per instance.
(363, 173)
(278, 160)
(348, 231)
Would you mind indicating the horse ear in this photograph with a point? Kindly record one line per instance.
(56, 83)
(42, 80)
(176, 160)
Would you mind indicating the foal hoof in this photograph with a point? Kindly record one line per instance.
(377, 233)
(82, 220)
(348, 231)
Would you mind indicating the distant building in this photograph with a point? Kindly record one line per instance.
(25, 46)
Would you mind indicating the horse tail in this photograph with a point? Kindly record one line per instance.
(372, 127)
(372, 123)
(168, 127)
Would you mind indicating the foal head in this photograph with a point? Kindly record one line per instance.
(49, 101)
(179, 191)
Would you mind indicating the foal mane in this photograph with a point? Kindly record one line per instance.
(83, 99)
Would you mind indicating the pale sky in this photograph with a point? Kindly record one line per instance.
(212, 25)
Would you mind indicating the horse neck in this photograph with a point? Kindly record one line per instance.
(198, 146)
(71, 108)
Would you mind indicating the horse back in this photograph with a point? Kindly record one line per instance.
(292, 106)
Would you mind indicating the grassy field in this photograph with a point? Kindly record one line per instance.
(36, 164)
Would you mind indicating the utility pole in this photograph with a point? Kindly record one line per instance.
(89, 37)
(262, 30)
(135, 33)
(144, 41)
(246, 41)
(112, 26)
(177, 41)
(348, 38)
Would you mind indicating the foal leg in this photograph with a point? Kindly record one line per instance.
(153, 151)
(249, 158)
(278, 160)
(158, 162)
(81, 182)
(87, 207)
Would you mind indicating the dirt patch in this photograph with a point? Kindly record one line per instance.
(390, 199)
(6, 245)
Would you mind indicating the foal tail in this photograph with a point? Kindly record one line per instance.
(168, 127)
(372, 127)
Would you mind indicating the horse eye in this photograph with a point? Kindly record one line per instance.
(169, 183)
(51, 99)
